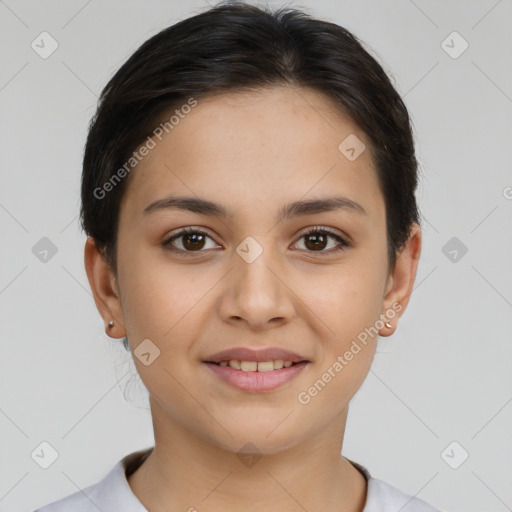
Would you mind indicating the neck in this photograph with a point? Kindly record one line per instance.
(186, 472)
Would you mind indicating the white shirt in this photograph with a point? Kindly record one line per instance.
(113, 493)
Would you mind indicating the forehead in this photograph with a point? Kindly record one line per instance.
(256, 146)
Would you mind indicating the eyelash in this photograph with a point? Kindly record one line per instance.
(312, 231)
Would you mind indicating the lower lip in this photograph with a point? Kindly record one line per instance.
(255, 382)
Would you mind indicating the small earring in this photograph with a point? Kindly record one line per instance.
(111, 324)
(388, 325)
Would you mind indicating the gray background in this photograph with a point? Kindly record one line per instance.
(444, 376)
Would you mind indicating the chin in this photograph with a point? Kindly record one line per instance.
(261, 437)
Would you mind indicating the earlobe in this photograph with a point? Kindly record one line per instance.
(104, 289)
(401, 281)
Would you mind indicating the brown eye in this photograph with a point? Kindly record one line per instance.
(193, 241)
(317, 239)
(188, 240)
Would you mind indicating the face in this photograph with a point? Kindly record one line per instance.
(245, 275)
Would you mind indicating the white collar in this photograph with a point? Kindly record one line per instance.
(113, 493)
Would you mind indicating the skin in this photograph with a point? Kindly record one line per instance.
(252, 153)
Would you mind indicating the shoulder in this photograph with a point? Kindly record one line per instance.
(85, 500)
(112, 492)
(383, 497)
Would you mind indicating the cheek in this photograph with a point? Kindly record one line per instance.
(331, 390)
(348, 301)
(349, 310)
(166, 303)
(161, 305)
(153, 293)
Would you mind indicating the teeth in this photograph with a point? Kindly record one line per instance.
(265, 366)
(248, 366)
(253, 366)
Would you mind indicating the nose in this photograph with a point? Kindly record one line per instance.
(257, 293)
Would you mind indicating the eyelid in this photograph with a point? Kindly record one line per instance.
(330, 231)
(343, 240)
(182, 232)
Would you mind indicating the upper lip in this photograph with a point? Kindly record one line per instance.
(251, 354)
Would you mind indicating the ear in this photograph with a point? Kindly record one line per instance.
(104, 288)
(401, 280)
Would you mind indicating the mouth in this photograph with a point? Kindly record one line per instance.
(256, 366)
(256, 370)
(249, 355)
(256, 376)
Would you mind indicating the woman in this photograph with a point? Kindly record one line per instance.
(248, 194)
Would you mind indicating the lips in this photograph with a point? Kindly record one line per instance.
(249, 354)
(256, 371)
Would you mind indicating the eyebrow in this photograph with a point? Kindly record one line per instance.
(291, 210)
